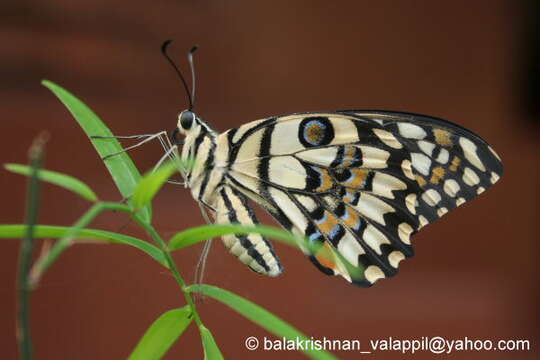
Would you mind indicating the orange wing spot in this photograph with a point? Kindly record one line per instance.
(351, 218)
(357, 179)
(326, 181)
(442, 137)
(325, 256)
(455, 163)
(420, 180)
(348, 156)
(436, 175)
(314, 133)
(327, 223)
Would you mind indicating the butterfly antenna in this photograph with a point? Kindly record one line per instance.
(192, 67)
(166, 55)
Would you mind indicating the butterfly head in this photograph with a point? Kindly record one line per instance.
(189, 123)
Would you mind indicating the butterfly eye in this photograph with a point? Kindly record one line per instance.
(186, 119)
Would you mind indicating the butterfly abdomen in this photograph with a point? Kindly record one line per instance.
(251, 249)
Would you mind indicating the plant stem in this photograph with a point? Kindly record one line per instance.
(174, 269)
(58, 248)
(25, 255)
(42, 265)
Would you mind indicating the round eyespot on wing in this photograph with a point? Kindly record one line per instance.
(315, 131)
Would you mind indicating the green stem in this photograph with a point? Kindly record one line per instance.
(174, 269)
(44, 263)
(25, 255)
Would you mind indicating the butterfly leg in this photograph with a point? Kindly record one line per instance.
(201, 264)
(251, 249)
(171, 151)
(161, 136)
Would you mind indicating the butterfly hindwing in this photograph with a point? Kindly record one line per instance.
(359, 183)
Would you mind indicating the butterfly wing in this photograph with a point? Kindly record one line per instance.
(358, 184)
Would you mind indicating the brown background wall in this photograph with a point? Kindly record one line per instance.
(475, 272)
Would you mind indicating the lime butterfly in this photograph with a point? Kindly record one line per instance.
(357, 184)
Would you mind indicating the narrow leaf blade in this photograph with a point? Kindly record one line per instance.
(259, 316)
(200, 233)
(124, 173)
(150, 184)
(66, 181)
(211, 350)
(162, 334)
(55, 232)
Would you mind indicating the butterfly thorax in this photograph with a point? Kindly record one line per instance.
(203, 177)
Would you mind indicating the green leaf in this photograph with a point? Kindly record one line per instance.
(259, 316)
(48, 231)
(200, 233)
(62, 180)
(150, 184)
(124, 173)
(211, 350)
(162, 334)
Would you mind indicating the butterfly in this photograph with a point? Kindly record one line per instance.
(358, 184)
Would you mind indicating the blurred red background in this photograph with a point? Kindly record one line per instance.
(474, 273)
